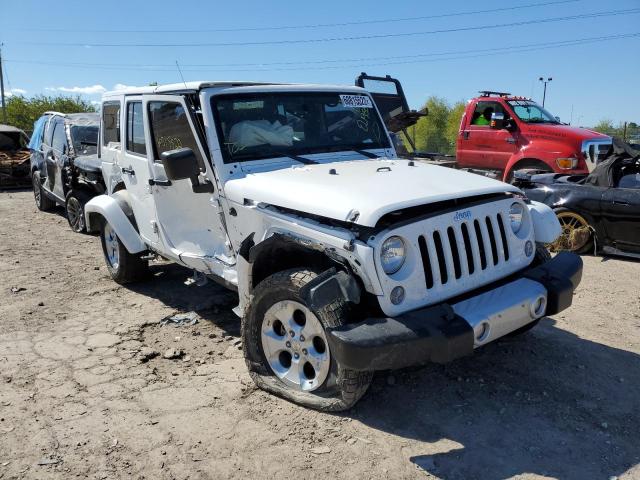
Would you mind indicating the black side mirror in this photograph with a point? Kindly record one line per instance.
(497, 120)
(181, 164)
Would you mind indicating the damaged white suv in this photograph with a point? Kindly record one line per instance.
(346, 259)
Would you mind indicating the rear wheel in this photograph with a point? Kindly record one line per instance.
(76, 199)
(43, 202)
(577, 234)
(123, 266)
(286, 347)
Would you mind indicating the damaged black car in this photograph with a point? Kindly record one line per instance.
(65, 169)
(599, 212)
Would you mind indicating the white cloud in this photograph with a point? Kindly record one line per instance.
(89, 90)
(15, 91)
(122, 86)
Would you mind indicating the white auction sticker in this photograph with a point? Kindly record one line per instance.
(356, 101)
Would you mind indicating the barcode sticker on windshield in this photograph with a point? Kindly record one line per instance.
(356, 101)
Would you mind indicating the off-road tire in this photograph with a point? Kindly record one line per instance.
(74, 206)
(342, 387)
(44, 203)
(130, 267)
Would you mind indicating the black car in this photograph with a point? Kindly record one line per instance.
(65, 169)
(599, 212)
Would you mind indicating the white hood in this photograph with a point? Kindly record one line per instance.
(373, 188)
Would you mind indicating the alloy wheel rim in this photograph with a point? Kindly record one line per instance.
(111, 246)
(295, 345)
(74, 213)
(575, 232)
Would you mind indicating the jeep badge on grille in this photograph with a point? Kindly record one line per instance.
(462, 215)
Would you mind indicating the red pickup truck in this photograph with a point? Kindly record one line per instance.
(504, 133)
(499, 134)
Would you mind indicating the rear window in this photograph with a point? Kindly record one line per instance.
(111, 124)
(135, 129)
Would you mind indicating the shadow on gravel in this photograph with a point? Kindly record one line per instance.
(547, 403)
(212, 302)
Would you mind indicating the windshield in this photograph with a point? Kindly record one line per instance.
(257, 126)
(531, 112)
(85, 139)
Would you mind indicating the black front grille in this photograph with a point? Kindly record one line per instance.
(449, 255)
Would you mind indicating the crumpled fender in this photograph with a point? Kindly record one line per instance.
(545, 223)
(104, 206)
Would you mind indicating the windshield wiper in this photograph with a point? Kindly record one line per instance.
(297, 158)
(364, 153)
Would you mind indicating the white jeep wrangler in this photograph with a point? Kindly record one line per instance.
(346, 259)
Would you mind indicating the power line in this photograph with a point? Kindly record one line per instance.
(317, 25)
(396, 60)
(350, 38)
(308, 62)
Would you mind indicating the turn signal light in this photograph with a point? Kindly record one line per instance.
(567, 163)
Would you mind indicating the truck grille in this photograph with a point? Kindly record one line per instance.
(595, 151)
(463, 250)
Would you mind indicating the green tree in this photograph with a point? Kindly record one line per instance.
(22, 112)
(453, 123)
(605, 126)
(431, 131)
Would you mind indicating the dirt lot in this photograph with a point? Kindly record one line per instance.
(81, 397)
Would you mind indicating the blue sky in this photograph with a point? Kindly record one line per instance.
(592, 79)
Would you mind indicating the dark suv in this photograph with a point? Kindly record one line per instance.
(64, 165)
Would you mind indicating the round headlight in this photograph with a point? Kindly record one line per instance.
(392, 255)
(515, 216)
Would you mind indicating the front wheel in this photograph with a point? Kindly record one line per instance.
(123, 266)
(286, 347)
(76, 199)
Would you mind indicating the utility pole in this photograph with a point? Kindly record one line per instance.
(544, 95)
(4, 105)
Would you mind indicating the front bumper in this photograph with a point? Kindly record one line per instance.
(444, 332)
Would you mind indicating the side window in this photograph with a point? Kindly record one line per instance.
(59, 140)
(170, 129)
(48, 130)
(483, 111)
(135, 129)
(111, 124)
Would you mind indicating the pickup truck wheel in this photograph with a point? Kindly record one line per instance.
(286, 347)
(76, 199)
(43, 202)
(123, 266)
(528, 166)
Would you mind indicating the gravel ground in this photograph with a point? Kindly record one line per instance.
(87, 391)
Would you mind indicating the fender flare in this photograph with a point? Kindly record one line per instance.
(109, 209)
(546, 226)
